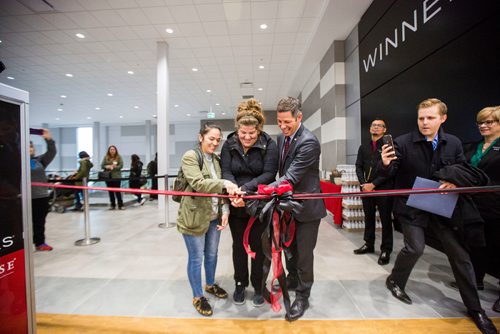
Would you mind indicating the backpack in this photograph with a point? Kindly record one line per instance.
(180, 182)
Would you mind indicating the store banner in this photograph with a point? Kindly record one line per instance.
(13, 301)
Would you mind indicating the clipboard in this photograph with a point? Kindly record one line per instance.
(439, 204)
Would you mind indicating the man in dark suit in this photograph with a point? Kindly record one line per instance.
(423, 152)
(299, 165)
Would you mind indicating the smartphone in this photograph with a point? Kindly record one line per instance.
(38, 132)
(387, 139)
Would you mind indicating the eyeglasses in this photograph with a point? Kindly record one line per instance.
(377, 126)
(489, 122)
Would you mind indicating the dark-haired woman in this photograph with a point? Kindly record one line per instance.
(200, 219)
(135, 174)
(249, 158)
(113, 163)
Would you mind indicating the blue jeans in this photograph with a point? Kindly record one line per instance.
(202, 248)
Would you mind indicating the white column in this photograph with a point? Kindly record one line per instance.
(162, 92)
(96, 145)
(147, 130)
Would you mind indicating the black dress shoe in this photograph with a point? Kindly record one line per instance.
(364, 250)
(482, 322)
(297, 310)
(397, 291)
(496, 306)
(384, 258)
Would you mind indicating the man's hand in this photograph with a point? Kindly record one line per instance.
(237, 202)
(447, 185)
(388, 154)
(46, 134)
(367, 187)
(231, 188)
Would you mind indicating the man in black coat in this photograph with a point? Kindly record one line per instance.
(299, 151)
(422, 153)
(370, 179)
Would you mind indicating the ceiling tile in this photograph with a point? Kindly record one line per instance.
(242, 27)
(150, 3)
(14, 8)
(116, 4)
(218, 41)
(66, 5)
(237, 11)
(215, 28)
(100, 34)
(290, 8)
(211, 12)
(109, 18)
(123, 33)
(94, 4)
(287, 25)
(146, 31)
(191, 29)
(264, 10)
(58, 36)
(183, 14)
(85, 19)
(158, 15)
(133, 16)
(60, 21)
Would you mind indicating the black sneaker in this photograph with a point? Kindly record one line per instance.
(239, 294)
(258, 300)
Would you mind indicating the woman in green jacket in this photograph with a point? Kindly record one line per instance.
(113, 163)
(200, 219)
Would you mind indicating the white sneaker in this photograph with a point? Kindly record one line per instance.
(143, 200)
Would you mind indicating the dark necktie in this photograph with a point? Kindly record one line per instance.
(374, 146)
(286, 147)
(285, 151)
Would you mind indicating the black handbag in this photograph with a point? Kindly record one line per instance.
(104, 175)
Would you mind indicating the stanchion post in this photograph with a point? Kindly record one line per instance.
(86, 216)
(167, 224)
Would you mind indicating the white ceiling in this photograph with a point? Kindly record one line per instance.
(221, 38)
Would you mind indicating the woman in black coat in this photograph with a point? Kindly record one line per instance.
(486, 156)
(249, 157)
(135, 173)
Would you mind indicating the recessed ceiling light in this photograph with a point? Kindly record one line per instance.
(0, 41)
(217, 104)
(63, 96)
(209, 90)
(176, 105)
(121, 116)
(188, 115)
(79, 35)
(259, 88)
(10, 78)
(110, 94)
(69, 75)
(223, 114)
(261, 66)
(130, 72)
(59, 109)
(263, 26)
(97, 108)
(136, 107)
(57, 119)
(88, 117)
(170, 31)
(194, 69)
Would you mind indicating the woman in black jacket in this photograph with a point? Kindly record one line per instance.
(135, 174)
(486, 156)
(249, 157)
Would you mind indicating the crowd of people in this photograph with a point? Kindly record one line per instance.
(250, 157)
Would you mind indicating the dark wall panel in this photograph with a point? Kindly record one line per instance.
(452, 57)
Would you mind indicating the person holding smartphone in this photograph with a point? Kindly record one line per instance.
(424, 152)
(40, 195)
(370, 179)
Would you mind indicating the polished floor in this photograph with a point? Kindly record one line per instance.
(139, 270)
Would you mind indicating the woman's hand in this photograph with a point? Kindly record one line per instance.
(237, 202)
(231, 188)
(223, 222)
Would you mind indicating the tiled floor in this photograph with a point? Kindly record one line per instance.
(139, 269)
